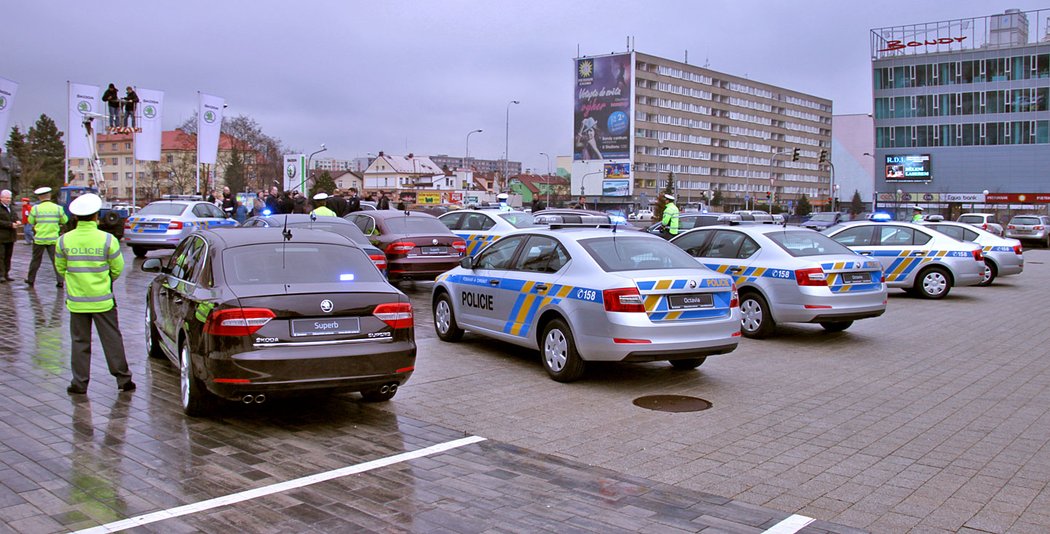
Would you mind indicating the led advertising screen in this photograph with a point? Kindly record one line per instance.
(616, 188)
(618, 170)
(908, 168)
(602, 125)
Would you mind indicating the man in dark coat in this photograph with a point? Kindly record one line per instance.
(9, 222)
(354, 202)
(384, 201)
(337, 203)
(272, 201)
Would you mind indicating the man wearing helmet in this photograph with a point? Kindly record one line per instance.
(670, 219)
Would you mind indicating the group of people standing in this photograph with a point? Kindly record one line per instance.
(86, 262)
(121, 110)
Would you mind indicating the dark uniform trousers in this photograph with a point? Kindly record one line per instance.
(112, 346)
(38, 256)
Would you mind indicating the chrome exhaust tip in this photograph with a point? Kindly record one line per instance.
(247, 399)
(260, 398)
(384, 389)
(393, 387)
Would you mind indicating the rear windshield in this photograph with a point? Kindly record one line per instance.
(519, 220)
(971, 219)
(297, 263)
(349, 230)
(1025, 220)
(416, 225)
(800, 244)
(822, 217)
(636, 253)
(163, 208)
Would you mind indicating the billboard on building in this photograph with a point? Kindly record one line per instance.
(908, 168)
(295, 172)
(602, 123)
(616, 188)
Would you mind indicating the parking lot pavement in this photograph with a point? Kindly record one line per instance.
(933, 417)
(113, 460)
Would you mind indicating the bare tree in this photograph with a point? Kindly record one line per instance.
(261, 155)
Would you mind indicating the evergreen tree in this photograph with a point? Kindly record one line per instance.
(856, 206)
(323, 184)
(18, 149)
(661, 201)
(716, 199)
(234, 172)
(46, 154)
(803, 207)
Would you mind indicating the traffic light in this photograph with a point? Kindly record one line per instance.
(823, 156)
(794, 155)
(768, 195)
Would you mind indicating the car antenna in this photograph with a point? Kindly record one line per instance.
(286, 232)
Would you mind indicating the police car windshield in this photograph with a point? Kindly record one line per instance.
(416, 225)
(261, 264)
(163, 208)
(800, 244)
(519, 220)
(615, 254)
(345, 230)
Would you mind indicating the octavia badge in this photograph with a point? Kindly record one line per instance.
(327, 306)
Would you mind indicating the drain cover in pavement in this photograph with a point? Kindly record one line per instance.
(672, 403)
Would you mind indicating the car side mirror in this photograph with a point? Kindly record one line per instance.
(152, 265)
(467, 262)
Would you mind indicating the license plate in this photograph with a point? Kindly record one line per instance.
(433, 251)
(856, 278)
(688, 302)
(326, 327)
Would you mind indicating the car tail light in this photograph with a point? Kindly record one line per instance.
(395, 314)
(734, 301)
(977, 254)
(625, 299)
(460, 246)
(1011, 227)
(237, 321)
(626, 341)
(379, 260)
(811, 277)
(1017, 250)
(127, 225)
(400, 247)
(175, 225)
(1038, 227)
(984, 226)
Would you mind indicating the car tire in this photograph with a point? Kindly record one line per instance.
(152, 341)
(836, 326)
(933, 283)
(756, 321)
(990, 272)
(688, 363)
(558, 351)
(140, 252)
(445, 320)
(196, 400)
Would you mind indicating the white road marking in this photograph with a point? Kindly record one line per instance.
(277, 488)
(791, 525)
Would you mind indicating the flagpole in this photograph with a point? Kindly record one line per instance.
(69, 132)
(197, 157)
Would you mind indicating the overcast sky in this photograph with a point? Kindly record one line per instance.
(399, 76)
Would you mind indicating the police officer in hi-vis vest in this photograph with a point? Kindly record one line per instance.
(90, 260)
(47, 219)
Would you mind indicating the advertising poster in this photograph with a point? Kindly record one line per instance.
(617, 170)
(408, 197)
(616, 188)
(602, 125)
(83, 102)
(455, 197)
(148, 138)
(295, 172)
(908, 168)
(428, 197)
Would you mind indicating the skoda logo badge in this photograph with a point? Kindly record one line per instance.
(291, 170)
(692, 284)
(3, 102)
(435, 241)
(327, 306)
(209, 116)
(83, 106)
(149, 112)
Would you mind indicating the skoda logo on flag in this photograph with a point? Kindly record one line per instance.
(209, 117)
(3, 102)
(291, 170)
(84, 106)
(149, 112)
(327, 306)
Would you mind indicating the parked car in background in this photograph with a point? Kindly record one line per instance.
(641, 215)
(688, 221)
(417, 245)
(249, 313)
(336, 225)
(823, 219)
(1030, 228)
(574, 216)
(164, 223)
(754, 216)
(1002, 256)
(481, 227)
(984, 221)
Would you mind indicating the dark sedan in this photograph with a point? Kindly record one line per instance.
(249, 313)
(342, 227)
(417, 245)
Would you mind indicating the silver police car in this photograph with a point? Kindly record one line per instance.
(481, 227)
(1002, 256)
(790, 275)
(162, 224)
(919, 260)
(590, 294)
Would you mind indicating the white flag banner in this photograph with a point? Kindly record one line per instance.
(7, 101)
(83, 103)
(209, 124)
(147, 141)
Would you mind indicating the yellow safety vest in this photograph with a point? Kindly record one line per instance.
(90, 260)
(47, 218)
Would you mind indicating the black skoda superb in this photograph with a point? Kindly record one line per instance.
(249, 313)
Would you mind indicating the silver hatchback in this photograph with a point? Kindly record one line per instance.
(1002, 256)
(790, 275)
(580, 295)
(163, 224)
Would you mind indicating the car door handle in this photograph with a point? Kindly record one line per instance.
(493, 282)
(918, 253)
(736, 270)
(541, 287)
(865, 253)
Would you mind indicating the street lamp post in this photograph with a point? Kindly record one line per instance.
(466, 155)
(310, 157)
(583, 183)
(897, 215)
(506, 146)
(547, 179)
(832, 187)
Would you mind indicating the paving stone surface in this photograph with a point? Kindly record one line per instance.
(931, 418)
